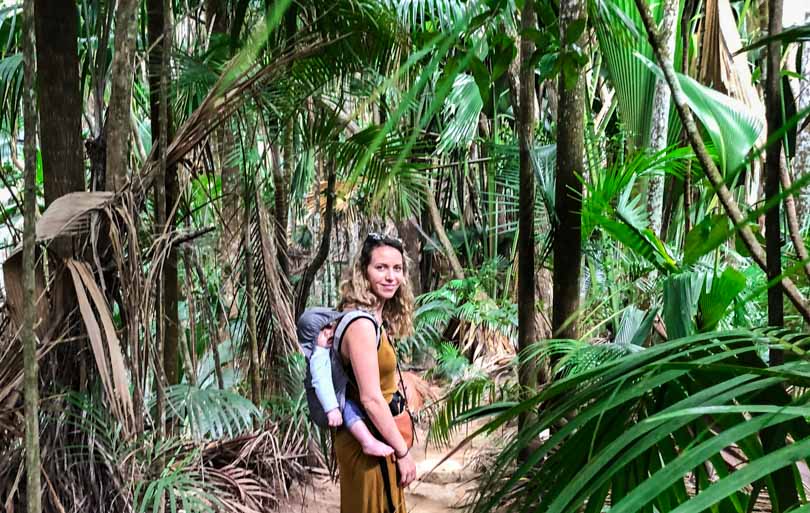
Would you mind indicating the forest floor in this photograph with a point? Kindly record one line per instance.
(443, 490)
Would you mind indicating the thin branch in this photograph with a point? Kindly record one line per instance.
(793, 218)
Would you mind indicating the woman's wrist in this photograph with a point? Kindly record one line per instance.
(403, 454)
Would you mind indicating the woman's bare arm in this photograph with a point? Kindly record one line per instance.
(360, 347)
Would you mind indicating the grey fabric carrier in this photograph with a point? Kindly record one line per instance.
(309, 326)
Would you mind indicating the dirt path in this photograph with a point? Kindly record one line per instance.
(441, 491)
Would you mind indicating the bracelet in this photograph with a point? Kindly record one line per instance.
(407, 450)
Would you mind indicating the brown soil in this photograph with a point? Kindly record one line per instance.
(442, 490)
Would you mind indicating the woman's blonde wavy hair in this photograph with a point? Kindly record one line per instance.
(355, 290)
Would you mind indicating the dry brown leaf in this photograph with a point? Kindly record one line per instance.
(67, 214)
(114, 382)
(119, 369)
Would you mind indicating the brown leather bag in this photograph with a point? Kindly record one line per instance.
(404, 423)
(404, 419)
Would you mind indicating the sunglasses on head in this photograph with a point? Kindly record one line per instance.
(382, 238)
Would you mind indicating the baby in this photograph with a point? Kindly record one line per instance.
(352, 416)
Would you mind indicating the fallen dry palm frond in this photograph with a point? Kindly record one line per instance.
(68, 214)
(108, 356)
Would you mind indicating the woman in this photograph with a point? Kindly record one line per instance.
(379, 284)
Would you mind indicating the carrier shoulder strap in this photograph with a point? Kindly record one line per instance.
(347, 319)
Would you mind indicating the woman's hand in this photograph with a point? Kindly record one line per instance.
(407, 470)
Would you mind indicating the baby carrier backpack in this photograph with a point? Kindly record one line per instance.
(309, 326)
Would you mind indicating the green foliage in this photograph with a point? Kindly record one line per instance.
(732, 127)
(450, 363)
(706, 236)
(433, 14)
(461, 111)
(466, 396)
(210, 412)
(177, 485)
(638, 424)
(612, 203)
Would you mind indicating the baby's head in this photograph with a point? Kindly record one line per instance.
(327, 334)
(315, 324)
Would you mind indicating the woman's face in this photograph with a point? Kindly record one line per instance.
(385, 271)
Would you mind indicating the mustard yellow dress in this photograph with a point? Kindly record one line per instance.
(362, 484)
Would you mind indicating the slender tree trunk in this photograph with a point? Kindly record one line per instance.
(713, 174)
(123, 69)
(29, 339)
(255, 372)
(773, 232)
(801, 162)
(526, 277)
(438, 227)
(281, 180)
(568, 190)
(159, 126)
(305, 284)
(783, 494)
(660, 118)
(166, 187)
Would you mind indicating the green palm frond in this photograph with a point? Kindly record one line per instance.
(441, 14)
(634, 326)
(451, 364)
(616, 23)
(464, 397)
(612, 203)
(385, 180)
(210, 412)
(177, 488)
(461, 111)
(731, 125)
(638, 425)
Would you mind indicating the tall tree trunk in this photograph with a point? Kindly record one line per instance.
(157, 96)
(250, 299)
(660, 118)
(60, 110)
(438, 227)
(29, 340)
(58, 97)
(281, 181)
(568, 189)
(801, 162)
(159, 36)
(526, 277)
(233, 220)
(123, 69)
(773, 232)
(305, 284)
(783, 494)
